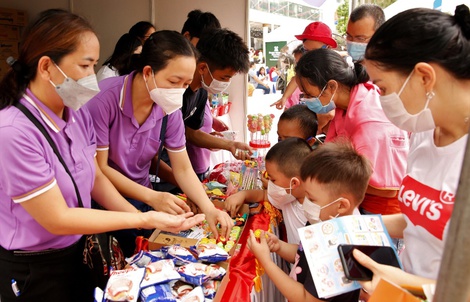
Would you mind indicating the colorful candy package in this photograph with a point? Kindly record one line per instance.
(158, 272)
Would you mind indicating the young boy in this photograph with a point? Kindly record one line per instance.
(298, 121)
(335, 178)
(285, 188)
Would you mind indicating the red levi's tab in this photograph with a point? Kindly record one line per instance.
(426, 206)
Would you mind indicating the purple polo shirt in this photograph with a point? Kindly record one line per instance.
(131, 146)
(29, 168)
(200, 157)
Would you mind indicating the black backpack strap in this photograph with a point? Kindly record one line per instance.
(162, 141)
(41, 128)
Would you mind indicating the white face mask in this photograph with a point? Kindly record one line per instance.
(75, 94)
(312, 210)
(169, 99)
(396, 112)
(216, 86)
(278, 196)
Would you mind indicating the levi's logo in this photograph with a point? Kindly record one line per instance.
(426, 206)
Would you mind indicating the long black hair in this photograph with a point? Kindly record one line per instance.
(322, 65)
(161, 47)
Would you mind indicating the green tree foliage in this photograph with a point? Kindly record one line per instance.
(343, 13)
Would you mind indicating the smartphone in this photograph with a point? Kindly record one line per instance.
(354, 270)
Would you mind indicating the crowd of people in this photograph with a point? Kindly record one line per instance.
(361, 134)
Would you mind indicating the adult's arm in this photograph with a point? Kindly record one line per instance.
(160, 201)
(291, 87)
(206, 140)
(191, 186)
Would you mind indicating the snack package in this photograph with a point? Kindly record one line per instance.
(158, 272)
(142, 258)
(124, 285)
(179, 253)
(210, 288)
(198, 273)
(195, 295)
(157, 293)
(180, 288)
(98, 295)
(211, 253)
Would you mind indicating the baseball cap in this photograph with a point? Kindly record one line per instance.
(318, 31)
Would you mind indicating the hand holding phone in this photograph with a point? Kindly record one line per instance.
(354, 270)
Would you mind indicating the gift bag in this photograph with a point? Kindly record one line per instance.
(389, 292)
(102, 254)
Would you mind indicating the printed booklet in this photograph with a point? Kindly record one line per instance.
(320, 242)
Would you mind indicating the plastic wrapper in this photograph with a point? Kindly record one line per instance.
(158, 272)
(124, 285)
(210, 288)
(142, 258)
(180, 288)
(157, 293)
(196, 294)
(211, 253)
(179, 253)
(198, 273)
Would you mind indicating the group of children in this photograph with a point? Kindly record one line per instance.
(332, 178)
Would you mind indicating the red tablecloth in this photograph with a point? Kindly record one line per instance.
(242, 268)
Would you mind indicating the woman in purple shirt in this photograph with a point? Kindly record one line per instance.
(128, 115)
(41, 242)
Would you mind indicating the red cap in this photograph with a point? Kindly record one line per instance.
(318, 31)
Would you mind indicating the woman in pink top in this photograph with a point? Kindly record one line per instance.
(328, 82)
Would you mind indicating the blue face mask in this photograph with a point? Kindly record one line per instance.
(356, 50)
(315, 105)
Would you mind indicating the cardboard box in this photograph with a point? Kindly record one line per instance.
(9, 16)
(9, 33)
(158, 239)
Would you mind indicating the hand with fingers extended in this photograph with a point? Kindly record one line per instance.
(168, 203)
(171, 223)
(279, 103)
(240, 150)
(216, 217)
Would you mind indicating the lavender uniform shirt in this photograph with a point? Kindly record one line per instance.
(131, 147)
(30, 168)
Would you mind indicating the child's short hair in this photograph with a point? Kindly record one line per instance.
(223, 48)
(339, 167)
(289, 155)
(306, 118)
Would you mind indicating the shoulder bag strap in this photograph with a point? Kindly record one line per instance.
(41, 128)
(162, 141)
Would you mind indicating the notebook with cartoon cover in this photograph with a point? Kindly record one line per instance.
(320, 242)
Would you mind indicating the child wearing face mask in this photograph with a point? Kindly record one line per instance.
(285, 187)
(335, 179)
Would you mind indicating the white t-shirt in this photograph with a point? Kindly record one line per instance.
(294, 218)
(105, 72)
(426, 199)
(252, 74)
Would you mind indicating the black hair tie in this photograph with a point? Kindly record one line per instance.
(462, 18)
